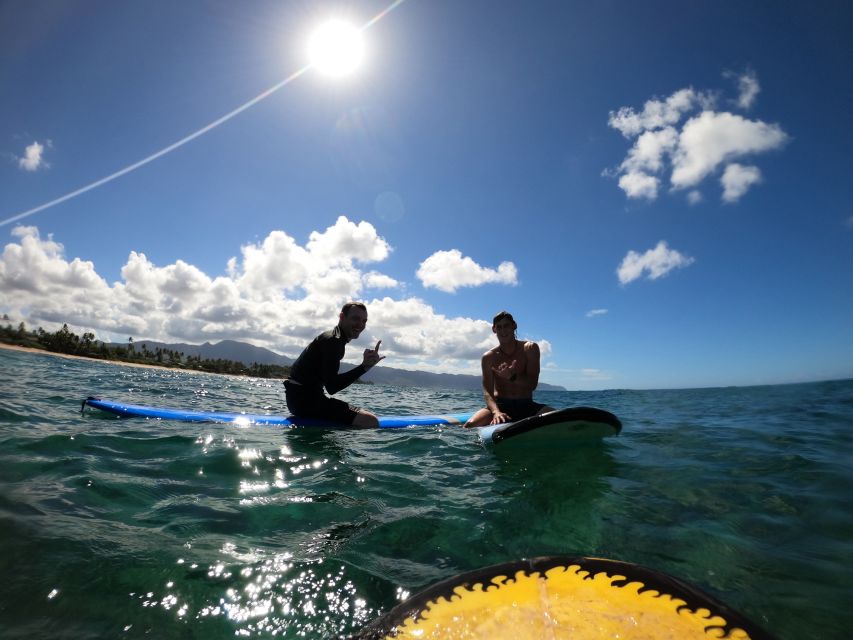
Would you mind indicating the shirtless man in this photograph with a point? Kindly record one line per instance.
(317, 367)
(510, 374)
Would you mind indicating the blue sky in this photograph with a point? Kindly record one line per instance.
(659, 191)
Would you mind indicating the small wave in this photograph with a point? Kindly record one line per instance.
(7, 415)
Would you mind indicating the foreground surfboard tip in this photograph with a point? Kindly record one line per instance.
(562, 596)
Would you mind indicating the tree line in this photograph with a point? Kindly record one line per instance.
(68, 342)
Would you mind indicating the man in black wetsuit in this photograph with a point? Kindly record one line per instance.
(317, 367)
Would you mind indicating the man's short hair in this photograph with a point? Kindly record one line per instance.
(349, 305)
(501, 316)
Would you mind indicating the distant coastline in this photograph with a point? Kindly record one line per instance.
(16, 347)
(67, 344)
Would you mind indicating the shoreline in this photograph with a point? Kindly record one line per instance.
(69, 356)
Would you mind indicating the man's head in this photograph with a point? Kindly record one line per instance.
(352, 320)
(502, 315)
(504, 324)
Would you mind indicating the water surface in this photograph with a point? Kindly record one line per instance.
(128, 528)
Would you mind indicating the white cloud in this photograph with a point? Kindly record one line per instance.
(33, 159)
(276, 264)
(346, 241)
(654, 263)
(639, 185)
(38, 266)
(595, 312)
(450, 270)
(737, 179)
(376, 280)
(656, 113)
(650, 149)
(324, 269)
(277, 294)
(710, 139)
(690, 152)
(694, 197)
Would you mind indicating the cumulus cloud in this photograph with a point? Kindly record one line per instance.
(710, 139)
(737, 179)
(33, 158)
(450, 270)
(277, 294)
(347, 241)
(595, 312)
(656, 113)
(654, 263)
(637, 184)
(686, 138)
(650, 150)
(376, 280)
(694, 197)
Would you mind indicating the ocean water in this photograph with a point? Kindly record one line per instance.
(132, 528)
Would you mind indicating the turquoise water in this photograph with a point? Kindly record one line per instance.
(129, 528)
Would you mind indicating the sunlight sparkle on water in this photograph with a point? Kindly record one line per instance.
(263, 599)
(254, 487)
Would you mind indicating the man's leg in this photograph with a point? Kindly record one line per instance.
(479, 419)
(365, 420)
(321, 407)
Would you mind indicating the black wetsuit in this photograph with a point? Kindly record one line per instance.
(317, 367)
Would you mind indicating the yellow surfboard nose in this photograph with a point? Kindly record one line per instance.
(563, 597)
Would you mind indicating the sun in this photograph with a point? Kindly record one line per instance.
(336, 48)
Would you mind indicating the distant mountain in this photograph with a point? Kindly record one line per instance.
(405, 378)
(249, 354)
(226, 350)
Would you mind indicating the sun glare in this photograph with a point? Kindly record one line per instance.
(336, 48)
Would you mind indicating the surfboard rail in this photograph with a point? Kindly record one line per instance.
(573, 422)
(125, 410)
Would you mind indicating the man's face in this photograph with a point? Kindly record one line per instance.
(353, 323)
(504, 328)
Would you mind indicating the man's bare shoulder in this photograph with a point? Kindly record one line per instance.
(491, 353)
(529, 345)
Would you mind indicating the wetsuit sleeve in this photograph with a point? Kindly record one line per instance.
(332, 380)
(343, 380)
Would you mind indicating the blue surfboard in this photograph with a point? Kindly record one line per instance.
(246, 419)
(574, 423)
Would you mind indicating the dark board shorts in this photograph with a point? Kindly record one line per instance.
(305, 402)
(519, 408)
